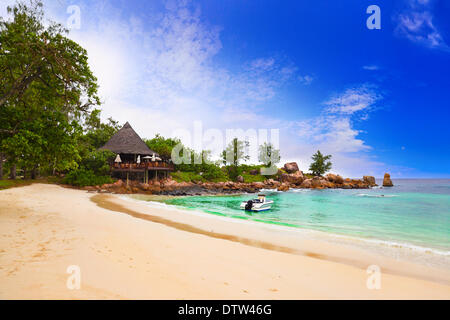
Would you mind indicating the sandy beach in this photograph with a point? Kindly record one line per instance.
(128, 250)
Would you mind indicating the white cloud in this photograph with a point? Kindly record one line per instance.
(353, 100)
(160, 73)
(333, 132)
(306, 79)
(416, 23)
(371, 67)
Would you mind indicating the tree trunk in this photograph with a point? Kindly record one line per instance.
(34, 173)
(1, 166)
(13, 172)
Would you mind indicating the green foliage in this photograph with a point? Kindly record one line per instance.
(97, 132)
(268, 155)
(188, 176)
(37, 54)
(253, 178)
(83, 177)
(233, 171)
(308, 175)
(235, 152)
(320, 164)
(98, 161)
(46, 90)
(162, 146)
(6, 184)
(214, 173)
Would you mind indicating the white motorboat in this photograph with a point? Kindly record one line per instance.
(259, 204)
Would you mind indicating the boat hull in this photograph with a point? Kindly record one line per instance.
(257, 207)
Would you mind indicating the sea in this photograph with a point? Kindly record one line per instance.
(414, 215)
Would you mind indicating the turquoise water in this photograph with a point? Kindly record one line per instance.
(413, 212)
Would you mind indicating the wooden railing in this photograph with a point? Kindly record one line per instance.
(149, 165)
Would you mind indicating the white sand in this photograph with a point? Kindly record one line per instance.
(46, 228)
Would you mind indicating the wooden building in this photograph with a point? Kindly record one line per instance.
(134, 159)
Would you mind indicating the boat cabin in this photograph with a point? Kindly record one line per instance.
(261, 197)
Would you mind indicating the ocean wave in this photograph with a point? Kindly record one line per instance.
(393, 244)
(376, 195)
(299, 190)
(270, 191)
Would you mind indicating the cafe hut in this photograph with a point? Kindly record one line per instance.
(134, 159)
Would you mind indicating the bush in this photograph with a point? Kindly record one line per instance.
(254, 178)
(82, 178)
(214, 173)
(186, 176)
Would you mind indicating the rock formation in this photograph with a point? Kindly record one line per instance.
(387, 182)
(291, 167)
(283, 182)
(370, 180)
(337, 179)
(283, 187)
(306, 184)
(292, 178)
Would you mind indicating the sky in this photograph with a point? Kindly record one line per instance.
(377, 100)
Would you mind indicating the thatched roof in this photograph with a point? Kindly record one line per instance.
(127, 141)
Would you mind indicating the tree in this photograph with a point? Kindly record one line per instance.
(46, 90)
(97, 132)
(162, 146)
(235, 152)
(268, 155)
(320, 164)
(31, 53)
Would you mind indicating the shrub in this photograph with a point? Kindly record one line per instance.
(212, 172)
(83, 177)
(186, 176)
(254, 178)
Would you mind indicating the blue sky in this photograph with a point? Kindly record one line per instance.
(377, 100)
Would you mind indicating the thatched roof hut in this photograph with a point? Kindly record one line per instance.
(127, 141)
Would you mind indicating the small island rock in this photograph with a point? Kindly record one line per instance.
(387, 182)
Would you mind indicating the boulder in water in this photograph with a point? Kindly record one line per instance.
(370, 180)
(283, 187)
(387, 182)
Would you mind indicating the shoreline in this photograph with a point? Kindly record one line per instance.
(158, 202)
(276, 243)
(45, 228)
